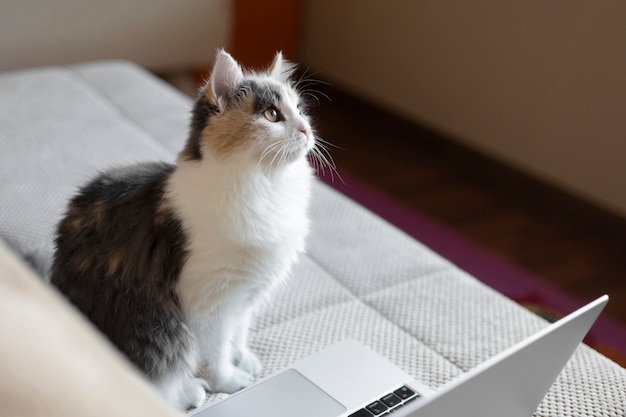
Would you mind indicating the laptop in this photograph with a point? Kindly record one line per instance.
(349, 379)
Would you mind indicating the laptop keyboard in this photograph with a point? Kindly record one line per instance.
(388, 404)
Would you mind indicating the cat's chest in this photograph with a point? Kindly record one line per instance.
(247, 236)
(251, 245)
(259, 217)
(248, 220)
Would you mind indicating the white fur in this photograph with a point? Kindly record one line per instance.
(245, 232)
(245, 216)
(182, 390)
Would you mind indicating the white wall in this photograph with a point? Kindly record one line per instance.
(159, 34)
(539, 84)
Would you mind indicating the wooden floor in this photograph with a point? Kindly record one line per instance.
(578, 247)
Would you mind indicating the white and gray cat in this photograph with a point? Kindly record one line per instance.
(172, 261)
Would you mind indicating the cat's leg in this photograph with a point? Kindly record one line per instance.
(175, 374)
(214, 336)
(243, 357)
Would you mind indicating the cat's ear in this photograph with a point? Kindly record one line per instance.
(281, 69)
(227, 75)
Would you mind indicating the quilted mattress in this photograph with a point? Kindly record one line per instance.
(361, 278)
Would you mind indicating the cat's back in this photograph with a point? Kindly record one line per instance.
(125, 184)
(118, 226)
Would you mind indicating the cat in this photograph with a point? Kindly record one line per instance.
(171, 262)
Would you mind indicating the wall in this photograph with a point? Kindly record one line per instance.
(159, 34)
(538, 84)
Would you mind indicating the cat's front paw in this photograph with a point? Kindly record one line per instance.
(249, 363)
(194, 393)
(184, 393)
(238, 379)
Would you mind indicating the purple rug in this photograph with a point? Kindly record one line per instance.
(608, 336)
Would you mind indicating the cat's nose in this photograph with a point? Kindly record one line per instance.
(303, 129)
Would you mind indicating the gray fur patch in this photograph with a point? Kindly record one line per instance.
(119, 254)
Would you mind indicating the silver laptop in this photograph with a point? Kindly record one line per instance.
(349, 379)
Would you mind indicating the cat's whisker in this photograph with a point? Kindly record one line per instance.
(325, 142)
(321, 153)
(322, 144)
(314, 163)
(317, 100)
(326, 160)
(283, 154)
(279, 153)
(304, 78)
(320, 165)
(305, 83)
(312, 93)
(267, 151)
(333, 167)
(322, 148)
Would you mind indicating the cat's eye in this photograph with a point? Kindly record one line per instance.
(272, 114)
